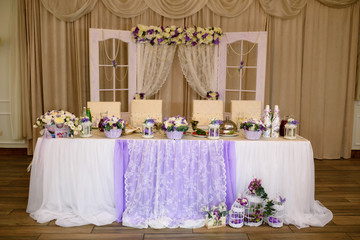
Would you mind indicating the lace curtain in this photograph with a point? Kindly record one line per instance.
(153, 65)
(199, 65)
(167, 182)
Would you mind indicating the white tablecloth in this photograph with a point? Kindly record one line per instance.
(72, 180)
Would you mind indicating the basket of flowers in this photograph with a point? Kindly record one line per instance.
(113, 127)
(58, 124)
(216, 216)
(175, 127)
(253, 129)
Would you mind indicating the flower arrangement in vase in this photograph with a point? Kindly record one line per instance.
(139, 96)
(253, 129)
(214, 129)
(58, 124)
(148, 128)
(216, 216)
(113, 127)
(212, 95)
(175, 127)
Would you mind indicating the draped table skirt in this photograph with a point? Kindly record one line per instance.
(99, 180)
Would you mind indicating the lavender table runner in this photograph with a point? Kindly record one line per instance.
(164, 183)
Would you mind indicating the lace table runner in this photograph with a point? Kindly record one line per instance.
(167, 182)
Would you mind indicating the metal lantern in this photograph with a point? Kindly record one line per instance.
(290, 131)
(86, 129)
(236, 214)
(214, 130)
(148, 130)
(253, 215)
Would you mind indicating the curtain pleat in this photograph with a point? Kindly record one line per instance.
(283, 8)
(69, 10)
(125, 8)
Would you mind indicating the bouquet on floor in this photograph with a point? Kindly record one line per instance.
(216, 216)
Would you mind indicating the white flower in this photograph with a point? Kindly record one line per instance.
(42, 132)
(76, 132)
(79, 127)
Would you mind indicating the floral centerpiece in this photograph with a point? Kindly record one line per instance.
(58, 124)
(253, 128)
(113, 127)
(176, 35)
(175, 127)
(216, 216)
(139, 96)
(214, 129)
(147, 128)
(212, 95)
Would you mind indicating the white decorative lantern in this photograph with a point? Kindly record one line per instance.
(277, 219)
(86, 129)
(290, 131)
(236, 214)
(148, 130)
(214, 130)
(253, 215)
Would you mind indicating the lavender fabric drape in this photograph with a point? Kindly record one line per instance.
(121, 161)
(229, 155)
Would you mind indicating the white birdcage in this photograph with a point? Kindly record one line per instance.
(86, 129)
(253, 215)
(214, 130)
(276, 220)
(148, 130)
(236, 214)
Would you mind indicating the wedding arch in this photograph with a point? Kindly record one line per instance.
(123, 63)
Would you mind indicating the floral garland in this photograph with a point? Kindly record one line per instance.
(176, 35)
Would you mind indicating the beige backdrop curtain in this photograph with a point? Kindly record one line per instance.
(328, 82)
(311, 59)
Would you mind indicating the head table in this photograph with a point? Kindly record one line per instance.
(163, 183)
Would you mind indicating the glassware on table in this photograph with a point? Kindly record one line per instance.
(102, 116)
(282, 125)
(241, 119)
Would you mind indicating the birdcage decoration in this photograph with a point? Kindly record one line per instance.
(253, 215)
(86, 127)
(276, 220)
(290, 129)
(236, 214)
(214, 129)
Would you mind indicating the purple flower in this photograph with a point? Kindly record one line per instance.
(187, 38)
(114, 63)
(160, 40)
(150, 31)
(205, 35)
(282, 200)
(216, 42)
